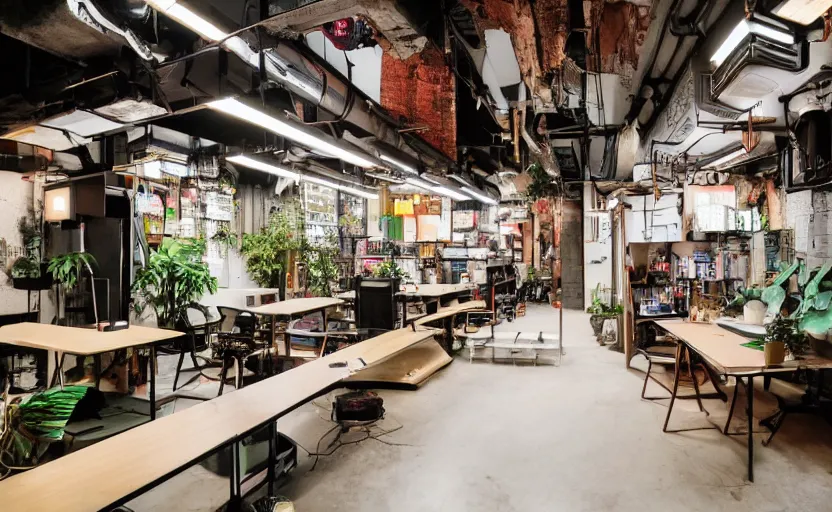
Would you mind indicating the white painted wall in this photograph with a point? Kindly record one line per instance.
(595, 273)
(366, 70)
(15, 201)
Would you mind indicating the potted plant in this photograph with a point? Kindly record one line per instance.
(321, 270)
(810, 311)
(175, 276)
(389, 269)
(266, 252)
(226, 238)
(28, 272)
(66, 272)
(66, 269)
(600, 311)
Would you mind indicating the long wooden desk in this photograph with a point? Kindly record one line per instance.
(722, 350)
(87, 342)
(433, 294)
(123, 467)
(451, 311)
(293, 308)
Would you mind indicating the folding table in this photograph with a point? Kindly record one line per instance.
(723, 351)
(87, 342)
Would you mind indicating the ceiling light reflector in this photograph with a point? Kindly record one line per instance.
(742, 30)
(478, 196)
(235, 108)
(342, 188)
(263, 166)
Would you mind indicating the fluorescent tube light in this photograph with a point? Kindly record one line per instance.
(439, 189)
(188, 18)
(740, 32)
(399, 164)
(416, 182)
(479, 197)
(235, 108)
(803, 11)
(342, 188)
(263, 166)
(727, 158)
(383, 177)
(445, 191)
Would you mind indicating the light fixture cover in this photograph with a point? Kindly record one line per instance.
(240, 110)
(263, 166)
(741, 31)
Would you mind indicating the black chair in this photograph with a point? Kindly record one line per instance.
(198, 326)
(236, 343)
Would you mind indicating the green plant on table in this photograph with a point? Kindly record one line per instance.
(787, 330)
(812, 313)
(66, 269)
(175, 276)
(389, 269)
(266, 252)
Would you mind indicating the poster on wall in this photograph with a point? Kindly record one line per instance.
(445, 220)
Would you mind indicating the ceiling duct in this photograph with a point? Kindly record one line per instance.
(306, 75)
(74, 29)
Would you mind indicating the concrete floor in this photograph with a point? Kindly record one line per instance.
(497, 437)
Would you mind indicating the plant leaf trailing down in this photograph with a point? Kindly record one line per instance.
(66, 268)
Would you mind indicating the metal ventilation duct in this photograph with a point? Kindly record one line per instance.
(74, 29)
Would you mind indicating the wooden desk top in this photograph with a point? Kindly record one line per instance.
(723, 349)
(98, 476)
(438, 290)
(293, 307)
(76, 340)
(452, 310)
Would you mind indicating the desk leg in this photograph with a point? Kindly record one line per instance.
(234, 478)
(152, 383)
(272, 455)
(750, 392)
(58, 376)
(97, 370)
(733, 403)
(692, 373)
(675, 385)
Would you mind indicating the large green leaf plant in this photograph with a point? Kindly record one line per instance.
(66, 269)
(266, 252)
(175, 276)
(812, 314)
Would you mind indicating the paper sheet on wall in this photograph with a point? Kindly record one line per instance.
(758, 254)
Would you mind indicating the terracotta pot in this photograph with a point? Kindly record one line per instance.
(775, 352)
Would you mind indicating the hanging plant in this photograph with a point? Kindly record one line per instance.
(66, 269)
(542, 185)
(226, 238)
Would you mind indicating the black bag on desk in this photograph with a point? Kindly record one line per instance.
(358, 406)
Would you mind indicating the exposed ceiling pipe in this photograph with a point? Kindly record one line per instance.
(308, 76)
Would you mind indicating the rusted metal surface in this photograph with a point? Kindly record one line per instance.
(621, 30)
(539, 32)
(422, 90)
